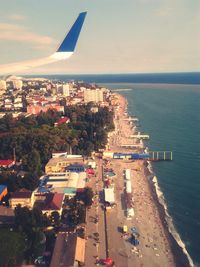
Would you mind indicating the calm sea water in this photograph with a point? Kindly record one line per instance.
(170, 114)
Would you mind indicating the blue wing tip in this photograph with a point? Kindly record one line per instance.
(69, 43)
(83, 13)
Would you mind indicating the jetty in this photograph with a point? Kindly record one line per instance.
(131, 119)
(160, 155)
(132, 145)
(150, 156)
(140, 136)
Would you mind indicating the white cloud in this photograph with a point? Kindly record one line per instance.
(17, 33)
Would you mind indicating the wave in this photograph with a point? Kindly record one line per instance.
(168, 218)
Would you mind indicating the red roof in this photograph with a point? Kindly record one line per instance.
(6, 162)
(63, 120)
(54, 201)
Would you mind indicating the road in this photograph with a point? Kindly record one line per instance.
(96, 248)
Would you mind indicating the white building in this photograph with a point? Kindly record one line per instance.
(17, 84)
(66, 89)
(128, 186)
(109, 195)
(2, 86)
(93, 95)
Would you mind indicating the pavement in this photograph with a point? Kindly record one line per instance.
(95, 249)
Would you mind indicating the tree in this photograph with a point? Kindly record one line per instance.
(31, 223)
(55, 218)
(30, 181)
(34, 163)
(12, 247)
(86, 196)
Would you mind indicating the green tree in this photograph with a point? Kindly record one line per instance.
(34, 163)
(12, 247)
(30, 181)
(55, 218)
(31, 223)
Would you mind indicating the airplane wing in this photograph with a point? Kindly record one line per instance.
(65, 50)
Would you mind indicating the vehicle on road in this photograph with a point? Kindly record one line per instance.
(124, 229)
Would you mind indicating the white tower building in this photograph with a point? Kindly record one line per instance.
(93, 95)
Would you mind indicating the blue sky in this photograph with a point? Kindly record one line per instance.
(119, 36)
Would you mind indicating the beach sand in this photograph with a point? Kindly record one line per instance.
(155, 248)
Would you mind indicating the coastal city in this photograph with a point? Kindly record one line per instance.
(99, 129)
(75, 182)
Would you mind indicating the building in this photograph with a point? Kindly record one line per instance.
(60, 164)
(76, 168)
(94, 109)
(66, 89)
(49, 202)
(57, 181)
(3, 191)
(66, 182)
(93, 95)
(22, 197)
(69, 251)
(36, 109)
(7, 216)
(17, 84)
(62, 120)
(2, 87)
(109, 195)
(7, 163)
(18, 104)
(59, 154)
(8, 104)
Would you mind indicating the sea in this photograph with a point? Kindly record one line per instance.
(168, 108)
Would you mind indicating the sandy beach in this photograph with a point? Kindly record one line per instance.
(155, 247)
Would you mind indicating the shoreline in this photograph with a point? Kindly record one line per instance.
(180, 257)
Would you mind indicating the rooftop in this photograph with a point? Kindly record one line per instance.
(6, 215)
(6, 162)
(52, 201)
(23, 193)
(67, 160)
(62, 120)
(2, 188)
(68, 249)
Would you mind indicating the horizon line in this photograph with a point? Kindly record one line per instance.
(117, 73)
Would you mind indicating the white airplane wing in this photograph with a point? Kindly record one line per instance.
(65, 50)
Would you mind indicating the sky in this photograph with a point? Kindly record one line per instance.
(118, 36)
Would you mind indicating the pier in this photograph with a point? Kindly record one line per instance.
(131, 119)
(150, 156)
(132, 145)
(140, 136)
(160, 155)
